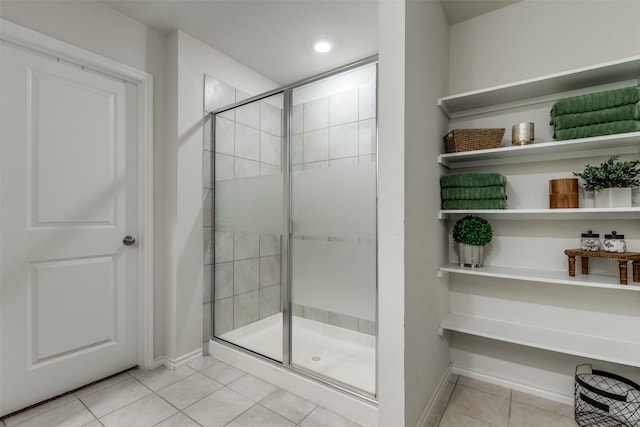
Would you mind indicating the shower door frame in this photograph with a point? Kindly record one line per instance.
(287, 230)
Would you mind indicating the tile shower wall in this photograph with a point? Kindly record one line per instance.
(335, 130)
(331, 131)
(245, 266)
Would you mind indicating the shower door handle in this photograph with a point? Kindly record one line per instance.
(128, 240)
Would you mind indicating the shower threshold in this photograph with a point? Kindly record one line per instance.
(341, 354)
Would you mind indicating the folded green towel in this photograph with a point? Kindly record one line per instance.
(475, 204)
(625, 112)
(610, 128)
(596, 101)
(474, 193)
(472, 180)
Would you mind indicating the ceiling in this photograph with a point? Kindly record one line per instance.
(273, 37)
(461, 10)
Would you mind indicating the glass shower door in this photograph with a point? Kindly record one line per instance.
(248, 225)
(332, 242)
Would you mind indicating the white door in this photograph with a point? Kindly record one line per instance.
(68, 174)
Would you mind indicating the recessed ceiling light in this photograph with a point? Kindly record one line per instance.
(322, 46)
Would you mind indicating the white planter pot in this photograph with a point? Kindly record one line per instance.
(470, 256)
(613, 198)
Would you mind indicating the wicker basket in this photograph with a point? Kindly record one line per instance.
(472, 139)
(603, 399)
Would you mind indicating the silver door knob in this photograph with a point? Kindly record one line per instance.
(129, 240)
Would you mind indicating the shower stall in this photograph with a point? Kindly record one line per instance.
(294, 269)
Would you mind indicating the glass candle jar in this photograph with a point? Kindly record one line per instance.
(590, 241)
(614, 242)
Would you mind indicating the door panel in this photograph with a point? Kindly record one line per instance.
(332, 256)
(91, 116)
(83, 325)
(249, 225)
(68, 181)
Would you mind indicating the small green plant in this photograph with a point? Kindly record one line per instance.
(472, 230)
(610, 174)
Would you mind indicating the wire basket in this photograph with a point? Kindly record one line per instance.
(459, 140)
(603, 399)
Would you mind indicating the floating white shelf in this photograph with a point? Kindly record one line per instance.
(596, 347)
(560, 330)
(545, 276)
(625, 143)
(547, 214)
(540, 89)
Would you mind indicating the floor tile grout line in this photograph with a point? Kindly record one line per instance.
(144, 397)
(124, 406)
(204, 397)
(201, 399)
(477, 419)
(87, 408)
(549, 411)
(170, 384)
(151, 392)
(316, 406)
(284, 416)
(241, 414)
(307, 416)
(485, 391)
(191, 404)
(230, 389)
(60, 396)
(170, 404)
(274, 412)
(187, 415)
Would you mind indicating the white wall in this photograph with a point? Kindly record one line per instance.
(391, 201)
(188, 61)
(98, 28)
(502, 47)
(426, 355)
(538, 37)
(412, 359)
(178, 65)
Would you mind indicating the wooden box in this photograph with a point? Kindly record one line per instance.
(563, 193)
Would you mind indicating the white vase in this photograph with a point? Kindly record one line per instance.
(613, 198)
(470, 255)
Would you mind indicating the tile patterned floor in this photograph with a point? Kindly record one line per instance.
(210, 393)
(475, 403)
(206, 393)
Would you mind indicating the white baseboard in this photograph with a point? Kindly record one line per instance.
(178, 362)
(157, 362)
(435, 407)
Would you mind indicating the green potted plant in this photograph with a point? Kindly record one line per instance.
(472, 234)
(611, 182)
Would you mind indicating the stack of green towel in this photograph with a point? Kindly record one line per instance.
(602, 113)
(473, 191)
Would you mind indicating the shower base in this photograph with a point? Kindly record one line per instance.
(341, 354)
